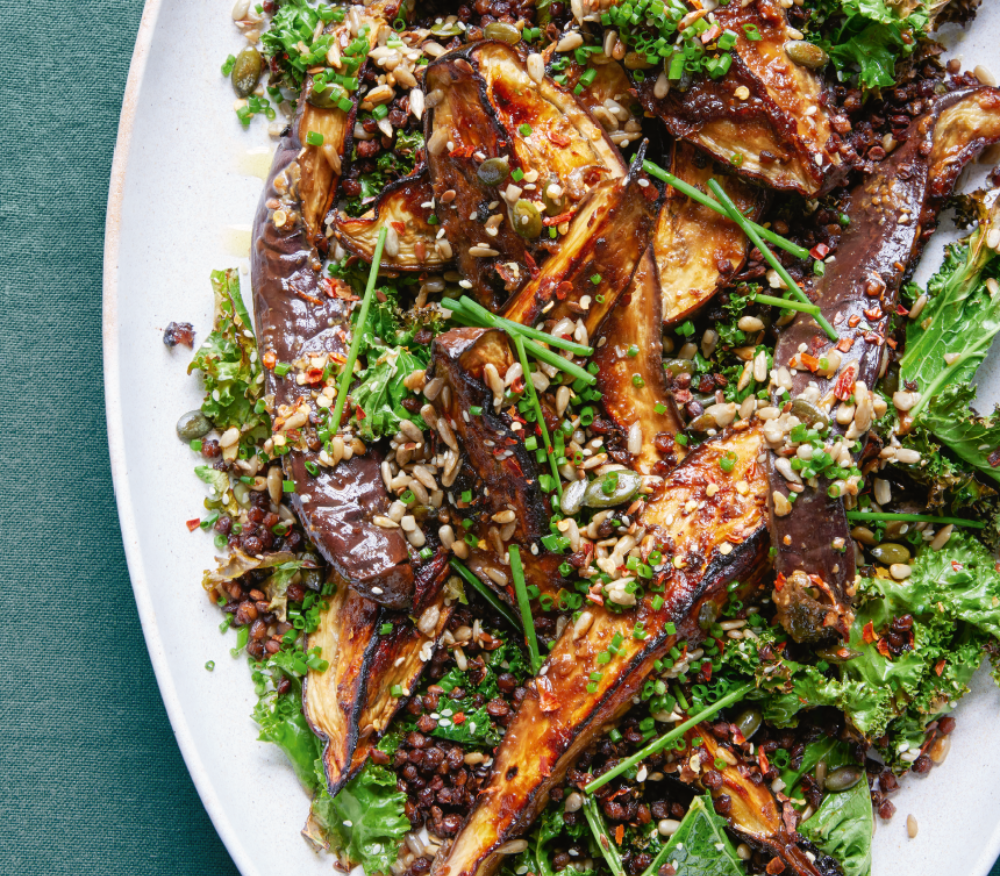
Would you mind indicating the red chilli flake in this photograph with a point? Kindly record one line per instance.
(868, 633)
(620, 830)
(939, 667)
(845, 344)
(820, 251)
(459, 718)
(844, 388)
(192, 525)
(811, 362)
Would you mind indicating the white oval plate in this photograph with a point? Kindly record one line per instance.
(184, 186)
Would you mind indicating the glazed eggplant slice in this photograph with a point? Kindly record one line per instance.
(301, 322)
(709, 544)
(350, 704)
(483, 102)
(781, 132)
(695, 245)
(754, 812)
(409, 244)
(892, 214)
(645, 405)
(597, 257)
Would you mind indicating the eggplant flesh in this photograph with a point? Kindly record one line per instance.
(754, 814)
(892, 214)
(597, 257)
(695, 246)
(298, 318)
(350, 704)
(484, 100)
(400, 210)
(630, 345)
(709, 543)
(781, 133)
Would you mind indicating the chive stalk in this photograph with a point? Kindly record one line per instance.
(352, 356)
(517, 573)
(658, 745)
(787, 304)
(602, 837)
(486, 593)
(769, 256)
(914, 518)
(539, 413)
(539, 352)
(528, 331)
(706, 201)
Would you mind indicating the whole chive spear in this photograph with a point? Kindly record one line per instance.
(539, 413)
(352, 356)
(482, 318)
(769, 257)
(487, 594)
(914, 518)
(703, 199)
(517, 573)
(658, 745)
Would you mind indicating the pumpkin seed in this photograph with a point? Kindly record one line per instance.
(192, 425)
(842, 779)
(808, 413)
(493, 171)
(611, 489)
(889, 553)
(527, 219)
(497, 30)
(679, 366)
(637, 61)
(553, 205)
(246, 71)
(749, 722)
(572, 497)
(806, 54)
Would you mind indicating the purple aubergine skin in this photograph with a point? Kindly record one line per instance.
(295, 315)
(876, 252)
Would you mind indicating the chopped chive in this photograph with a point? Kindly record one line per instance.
(517, 174)
(779, 268)
(282, 368)
(517, 573)
(352, 356)
(811, 309)
(385, 629)
(288, 486)
(524, 130)
(314, 138)
(500, 322)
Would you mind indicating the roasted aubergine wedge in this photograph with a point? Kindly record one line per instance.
(752, 809)
(301, 325)
(892, 214)
(350, 703)
(710, 543)
(403, 210)
(483, 99)
(767, 116)
(695, 246)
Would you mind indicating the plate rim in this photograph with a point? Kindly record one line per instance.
(224, 827)
(116, 445)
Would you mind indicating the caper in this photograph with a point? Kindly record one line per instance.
(836, 654)
(312, 579)
(749, 722)
(806, 54)
(572, 497)
(497, 30)
(637, 61)
(246, 71)
(526, 219)
(888, 553)
(613, 488)
(553, 206)
(194, 424)
(679, 366)
(325, 98)
(493, 171)
(241, 492)
(708, 614)
(890, 383)
(809, 414)
(842, 779)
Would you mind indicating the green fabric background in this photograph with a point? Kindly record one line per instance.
(91, 780)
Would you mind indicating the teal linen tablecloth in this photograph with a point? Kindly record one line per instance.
(91, 780)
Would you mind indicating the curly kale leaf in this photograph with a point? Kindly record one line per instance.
(230, 365)
(972, 438)
(842, 827)
(366, 820)
(282, 722)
